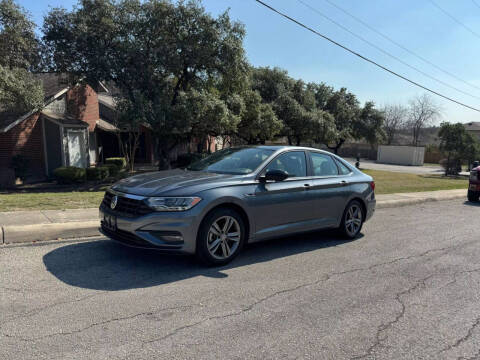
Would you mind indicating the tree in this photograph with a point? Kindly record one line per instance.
(128, 120)
(258, 121)
(19, 45)
(369, 125)
(344, 108)
(301, 125)
(203, 115)
(423, 111)
(458, 144)
(19, 91)
(159, 49)
(395, 119)
(270, 83)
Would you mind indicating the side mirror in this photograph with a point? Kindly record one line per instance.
(275, 175)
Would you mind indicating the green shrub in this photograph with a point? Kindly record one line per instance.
(98, 173)
(70, 174)
(452, 167)
(104, 171)
(19, 164)
(113, 169)
(119, 161)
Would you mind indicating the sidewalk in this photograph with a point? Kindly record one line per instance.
(80, 223)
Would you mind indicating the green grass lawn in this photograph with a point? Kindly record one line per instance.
(387, 182)
(50, 200)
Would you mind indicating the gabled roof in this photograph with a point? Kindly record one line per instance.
(63, 119)
(54, 85)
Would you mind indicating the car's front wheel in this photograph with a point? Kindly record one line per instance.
(220, 237)
(352, 220)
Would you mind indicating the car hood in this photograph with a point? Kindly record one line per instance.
(173, 182)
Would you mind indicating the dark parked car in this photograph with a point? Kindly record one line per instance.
(235, 196)
(474, 183)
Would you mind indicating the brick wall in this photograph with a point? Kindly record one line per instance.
(82, 103)
(25, 139)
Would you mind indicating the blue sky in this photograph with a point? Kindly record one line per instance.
(418, 25)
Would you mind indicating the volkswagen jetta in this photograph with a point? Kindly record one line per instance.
(237, 196)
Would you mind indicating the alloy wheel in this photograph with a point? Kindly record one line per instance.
(353, 220)
(223, 237)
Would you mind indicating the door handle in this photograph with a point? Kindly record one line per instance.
(344, 183)
(306, 186)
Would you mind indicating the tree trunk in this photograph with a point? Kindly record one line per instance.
(163, 156)
(337, 146)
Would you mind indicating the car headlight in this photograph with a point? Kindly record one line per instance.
(172, 203)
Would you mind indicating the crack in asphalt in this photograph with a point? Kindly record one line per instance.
(36, 311)
(101, 323)
(378, 339)
(464, 338)
(384, 327)
(324, 279)
(243, 310)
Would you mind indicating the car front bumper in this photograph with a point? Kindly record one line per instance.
(167, 231)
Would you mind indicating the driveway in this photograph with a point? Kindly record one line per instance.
(420, 170)
(409, 288)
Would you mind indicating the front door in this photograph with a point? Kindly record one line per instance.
(282, 207)
(76, 148)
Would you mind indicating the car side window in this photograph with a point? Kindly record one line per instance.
(293, 162)
(323, 165)
(344, 170)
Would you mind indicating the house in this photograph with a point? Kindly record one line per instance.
(74, 128)
(473, 128)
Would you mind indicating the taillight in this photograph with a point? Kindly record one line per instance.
(372, 185)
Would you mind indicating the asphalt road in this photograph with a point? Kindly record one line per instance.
(408, 289)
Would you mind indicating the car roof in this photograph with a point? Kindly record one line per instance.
(288, 147)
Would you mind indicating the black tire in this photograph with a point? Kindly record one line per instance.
(203, 237)
(345, 230)
(473, 196)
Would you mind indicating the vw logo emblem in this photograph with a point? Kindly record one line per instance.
(114, 201)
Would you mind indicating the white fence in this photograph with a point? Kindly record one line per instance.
(401, 155)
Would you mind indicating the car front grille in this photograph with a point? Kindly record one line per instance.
(127, 238)
(125, 206)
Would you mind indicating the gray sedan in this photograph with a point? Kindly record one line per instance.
(237, 196)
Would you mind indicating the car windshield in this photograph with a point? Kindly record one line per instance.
(238, 161)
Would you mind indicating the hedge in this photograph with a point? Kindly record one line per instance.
(98, 173)
(113, 169)
(119, 161)
(69, 174)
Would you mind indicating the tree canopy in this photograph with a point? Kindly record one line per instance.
(458, 144)
(19, 46)
(185, 74)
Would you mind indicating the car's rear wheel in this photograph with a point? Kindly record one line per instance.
(221, 237)
(352, 220)
(473, 196)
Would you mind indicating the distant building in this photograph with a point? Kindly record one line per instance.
(473, 128)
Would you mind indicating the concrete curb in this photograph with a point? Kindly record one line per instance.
(14, 234)
(384, 204)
